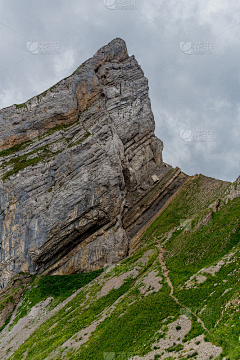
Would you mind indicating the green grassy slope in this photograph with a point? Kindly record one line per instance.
(122, 313)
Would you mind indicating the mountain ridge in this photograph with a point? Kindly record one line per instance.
(73, 161)
(106, 251)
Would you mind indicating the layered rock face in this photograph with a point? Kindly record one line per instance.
(73, 161)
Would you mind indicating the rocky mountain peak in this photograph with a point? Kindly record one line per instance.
(80, 166)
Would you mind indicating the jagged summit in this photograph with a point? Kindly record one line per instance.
(80, 169)
(149, 256)
(56, 105)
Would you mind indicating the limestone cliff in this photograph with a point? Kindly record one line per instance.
(75, 161)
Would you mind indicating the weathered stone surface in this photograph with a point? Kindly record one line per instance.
(215, 205)
(233, 192)
(80, 149)
(10, 295)
(139, 213)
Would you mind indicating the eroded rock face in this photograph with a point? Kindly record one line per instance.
(69, 158)
(234, 191)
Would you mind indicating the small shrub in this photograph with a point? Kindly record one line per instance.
(175, 348)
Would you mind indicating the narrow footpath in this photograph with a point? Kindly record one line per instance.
(166, 275)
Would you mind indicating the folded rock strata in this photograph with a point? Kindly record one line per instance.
(74, 161)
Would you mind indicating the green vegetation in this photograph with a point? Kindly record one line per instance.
(139, 322)
(43, 154)
(18, 147)
(194, 354)
(21, 162)
(58, 287)
(189, 252)
(143, 315)
(189, 202)
(175, 348)
(129, 322)
(57, 127)
(199, 249)
(19, 106)
(5, 301)
(81, 140)
(44, 93)
(6, 322)
(195, 331)
(81, 66)
(163, 181)
(15, 148)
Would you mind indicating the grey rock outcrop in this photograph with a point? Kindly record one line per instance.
(69, 159)
(233, 192)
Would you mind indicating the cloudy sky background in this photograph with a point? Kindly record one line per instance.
(189, 92)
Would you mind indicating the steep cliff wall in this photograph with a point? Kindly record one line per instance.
(73, 160)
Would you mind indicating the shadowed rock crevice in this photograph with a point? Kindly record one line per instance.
(75, 159)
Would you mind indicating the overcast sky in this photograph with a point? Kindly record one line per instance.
(189, 51)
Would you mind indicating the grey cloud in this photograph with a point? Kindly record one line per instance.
(196, 92)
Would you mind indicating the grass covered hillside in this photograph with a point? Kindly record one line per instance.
(176, 297)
